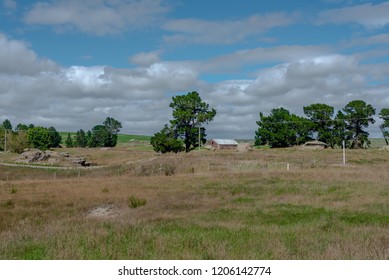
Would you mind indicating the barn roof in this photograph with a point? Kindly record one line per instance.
(225, 141)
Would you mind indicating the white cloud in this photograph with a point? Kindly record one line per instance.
(16, 59)
(263, 55)
(145, 58)
(201, 31)
(368, 15)
(77, 97)
(97, 17)
(332, 79)
(81, 97)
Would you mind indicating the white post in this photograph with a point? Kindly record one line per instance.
(287, 167)
(344, 152)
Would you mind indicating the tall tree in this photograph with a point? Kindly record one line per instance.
(113, 127)
(384, 115)
(7, 124)
(340, 132)
(99, 137)
(358, 115)
(39, 138)
(69, 141)
(189, 113)
(321, 117)
(81, 139)
(54, 137)
(282, 129)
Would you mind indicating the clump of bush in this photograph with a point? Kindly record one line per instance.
(169, 170)
(156, 169)
(135, 202)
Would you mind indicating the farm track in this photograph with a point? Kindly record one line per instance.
(52, 167)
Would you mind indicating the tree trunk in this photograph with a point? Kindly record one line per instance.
(187, 142)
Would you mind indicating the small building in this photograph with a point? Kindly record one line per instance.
(315, 145)
(223, 144)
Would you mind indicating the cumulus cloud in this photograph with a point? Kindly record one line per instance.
(97, 17)
(333, 79)
(70, 98)
(368, 15)
(201, 31)
(263, 55)
(17, 58)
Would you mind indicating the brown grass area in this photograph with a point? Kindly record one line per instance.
(202, 205)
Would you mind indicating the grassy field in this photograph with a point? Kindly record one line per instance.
(136, 204)
(122, 138)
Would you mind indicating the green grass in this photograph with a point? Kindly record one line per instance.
(328, 212)
(122, 138)
(125, 138)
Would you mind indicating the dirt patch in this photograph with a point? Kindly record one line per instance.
(103, 211)
(245, 147)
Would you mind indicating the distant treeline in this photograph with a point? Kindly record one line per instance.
(284, 129)
(31, 136)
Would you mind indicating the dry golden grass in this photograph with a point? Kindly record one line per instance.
(202, 205)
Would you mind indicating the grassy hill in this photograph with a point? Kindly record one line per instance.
(122, 138)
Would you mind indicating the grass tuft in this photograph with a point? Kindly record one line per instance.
(135, 202)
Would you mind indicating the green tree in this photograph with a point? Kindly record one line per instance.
(69, 141)
(357, 116)
(43, 138)
(54, 138)
(384, 115)
(21, 127)
(39, 138)
(100, 137)
(282, 129)
(81, 139)
(303, 129)
(189, 113)
(19, 142)
(321, 117)
(166, 141)
(340, 132)
(113, 127)
(7, 125)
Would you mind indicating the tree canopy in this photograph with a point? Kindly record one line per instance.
(321, 117)
(43, 138)
(102, 135)
(166, 141)
(358, 115)
(189, 114)
(283, 129)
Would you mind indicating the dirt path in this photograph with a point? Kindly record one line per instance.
(52, 167)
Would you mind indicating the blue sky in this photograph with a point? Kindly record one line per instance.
(70, 64)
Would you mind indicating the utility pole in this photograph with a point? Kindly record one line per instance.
(5, 140)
